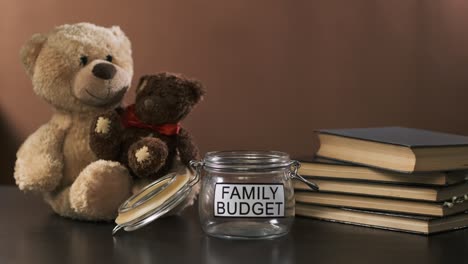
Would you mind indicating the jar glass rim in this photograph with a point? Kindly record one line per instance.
(245, 160)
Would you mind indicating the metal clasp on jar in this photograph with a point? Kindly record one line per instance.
(295, 175)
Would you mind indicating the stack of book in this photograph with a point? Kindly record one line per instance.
(391, 177)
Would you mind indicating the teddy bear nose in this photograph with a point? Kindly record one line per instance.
(105, 71)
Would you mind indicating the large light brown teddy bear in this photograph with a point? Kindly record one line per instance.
(81, 70)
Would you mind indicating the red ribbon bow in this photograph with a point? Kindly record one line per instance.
(129, 119)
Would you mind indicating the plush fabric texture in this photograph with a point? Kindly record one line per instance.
(83, 71)
(162, 99)
(56, 160)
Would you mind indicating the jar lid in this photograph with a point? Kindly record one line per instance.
(154, 201)
(241, 160)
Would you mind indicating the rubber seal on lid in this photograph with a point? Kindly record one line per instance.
(153, 201)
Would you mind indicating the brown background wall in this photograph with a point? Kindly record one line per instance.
(275, 70)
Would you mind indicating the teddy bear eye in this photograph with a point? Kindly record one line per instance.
(83, 60)
(109, 58)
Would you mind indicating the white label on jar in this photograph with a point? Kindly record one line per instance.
(249, 200)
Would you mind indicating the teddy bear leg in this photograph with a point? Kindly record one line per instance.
(60, 203)
(147, 156)
(99, 190)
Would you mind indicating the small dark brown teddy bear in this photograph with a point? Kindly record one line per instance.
(147, 136)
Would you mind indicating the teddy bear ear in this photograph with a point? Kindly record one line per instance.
(30, 51)
(117, 31)
(120, 35)
(198, 91)
(141, 84)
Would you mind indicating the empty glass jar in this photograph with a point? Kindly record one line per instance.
(247, 194)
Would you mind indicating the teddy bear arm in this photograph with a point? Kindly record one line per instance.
(106, 136)
(39, 163)
(186, 146)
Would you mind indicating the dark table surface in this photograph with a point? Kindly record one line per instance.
(31, 233)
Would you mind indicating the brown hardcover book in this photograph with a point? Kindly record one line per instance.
(395, 148)
(424, 193)
(416, 224)
(381, 204)
(340, 170)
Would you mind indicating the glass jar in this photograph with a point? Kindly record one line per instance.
(247, 194)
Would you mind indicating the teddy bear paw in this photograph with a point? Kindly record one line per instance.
(147, 156)
(142, 154)
(102, 125)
